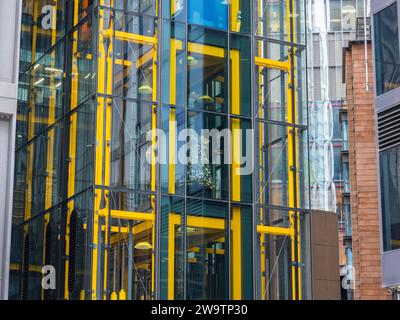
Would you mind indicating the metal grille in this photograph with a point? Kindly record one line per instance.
(49, 256)
(389, 128)
(72, 251)
(25, 268)
(360, 35)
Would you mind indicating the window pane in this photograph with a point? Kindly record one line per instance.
(390, 190)
(387, 58)
(199, 13)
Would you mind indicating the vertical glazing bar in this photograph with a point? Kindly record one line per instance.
(155, 109)
(50, 141)
(72, 141)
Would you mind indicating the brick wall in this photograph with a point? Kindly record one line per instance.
(363, 176)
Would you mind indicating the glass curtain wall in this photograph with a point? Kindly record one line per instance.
(108, 201)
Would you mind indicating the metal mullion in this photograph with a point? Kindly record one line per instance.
(63, 163)
(254, 100)
(229, 111)
(183, 219)
(158, 197)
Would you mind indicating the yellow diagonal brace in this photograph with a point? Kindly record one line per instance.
(130, 37)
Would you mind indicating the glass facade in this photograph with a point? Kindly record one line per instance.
(93, 196)
(387, 54)
(390, 191)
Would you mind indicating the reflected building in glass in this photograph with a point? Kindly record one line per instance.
(385, 16)
(96, 78)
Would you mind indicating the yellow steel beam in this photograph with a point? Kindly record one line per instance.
(275, 231)
(119, 214)
(206, 49)
(273, 64)
(143, 59)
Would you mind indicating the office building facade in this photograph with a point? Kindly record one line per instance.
(332, 24)
(387, 101)
(94, 202)
(363, 176)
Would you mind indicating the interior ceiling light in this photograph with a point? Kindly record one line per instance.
(188, 229)
(143, 246)
(39, 81)
(145, 89)
(191, 61)
(50, 69)
(206, 98)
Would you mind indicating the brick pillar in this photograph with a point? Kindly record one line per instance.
(363, 176)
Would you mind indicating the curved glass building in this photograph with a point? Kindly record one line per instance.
(105, 200)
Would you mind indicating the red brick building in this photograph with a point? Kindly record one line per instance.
(362, 159)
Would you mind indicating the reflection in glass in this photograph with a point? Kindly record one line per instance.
(390, 198)
(387, 54)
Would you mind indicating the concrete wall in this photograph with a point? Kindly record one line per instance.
(325, 256)
(10, 17)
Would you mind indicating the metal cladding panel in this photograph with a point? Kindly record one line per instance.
(10, 16)
(391, 269)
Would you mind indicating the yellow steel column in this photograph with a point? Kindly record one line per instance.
(31, 118)
(172, 118)
(235, 126)
(107, 143)
(236, 253)
(98, 176)
(236, 177)
(261, 186)
(235, 18)
(293, 152)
